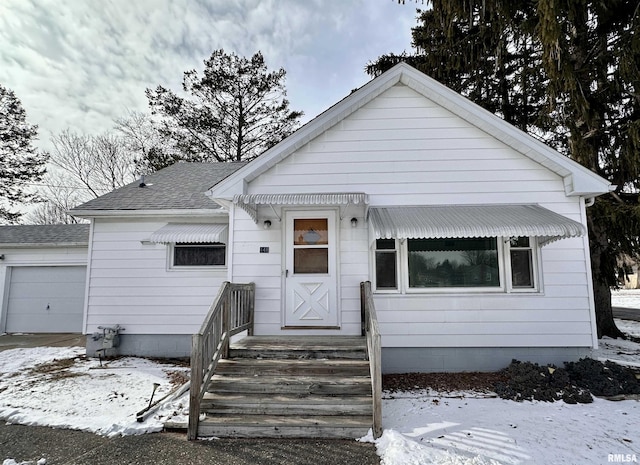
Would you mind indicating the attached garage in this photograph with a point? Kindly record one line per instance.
(43, 272)
(45, 299)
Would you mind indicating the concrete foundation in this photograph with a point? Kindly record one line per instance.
(146, 345)
(452, 359)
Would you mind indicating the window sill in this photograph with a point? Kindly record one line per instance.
(197, 268)
(463, 292)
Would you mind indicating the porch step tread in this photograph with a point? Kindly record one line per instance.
(292, 380)
(281, 405)
(285, 420)
(283, 427)
(232, 398)
(258, 366)
(286, 404)
(312, 343)
(299, 354)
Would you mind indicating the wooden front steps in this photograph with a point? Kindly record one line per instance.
(307, 386)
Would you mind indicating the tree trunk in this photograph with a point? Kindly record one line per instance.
(599, 242)
(604, 313)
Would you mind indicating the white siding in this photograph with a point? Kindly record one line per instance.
(130, 282)
(403, 149)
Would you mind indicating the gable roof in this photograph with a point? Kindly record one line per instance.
(59, 235)
(181, 186)
(578, 180)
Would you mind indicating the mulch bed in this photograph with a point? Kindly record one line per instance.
(443, 382)
(575, 383)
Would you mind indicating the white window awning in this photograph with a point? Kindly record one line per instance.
(432, 222)
(191, 233)
(250, 202)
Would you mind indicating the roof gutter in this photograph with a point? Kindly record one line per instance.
(217, 212)
(24, 245)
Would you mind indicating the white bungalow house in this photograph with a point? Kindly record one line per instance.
(472, 233)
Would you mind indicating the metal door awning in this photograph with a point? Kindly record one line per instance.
(250, 202)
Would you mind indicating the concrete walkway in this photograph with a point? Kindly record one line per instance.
(59, 446)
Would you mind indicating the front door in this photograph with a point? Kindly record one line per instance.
(310, 270)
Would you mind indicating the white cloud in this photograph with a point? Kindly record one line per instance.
(79, 64)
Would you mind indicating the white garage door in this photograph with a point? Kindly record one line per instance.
(46, 299)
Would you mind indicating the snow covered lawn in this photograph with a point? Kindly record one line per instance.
(60, 387)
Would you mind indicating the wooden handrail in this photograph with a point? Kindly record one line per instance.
(372, 332)
(231, 313)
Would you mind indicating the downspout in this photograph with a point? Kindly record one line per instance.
(588, 202)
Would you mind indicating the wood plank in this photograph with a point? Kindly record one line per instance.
(284, 404)
(284, 426)
(253, 367)
(260, 431)
(291, 385)
(301, 342)
(233, 398)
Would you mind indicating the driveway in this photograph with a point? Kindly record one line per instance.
(59, 446)
(18, 340)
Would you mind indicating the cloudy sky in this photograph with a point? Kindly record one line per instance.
(81, 63)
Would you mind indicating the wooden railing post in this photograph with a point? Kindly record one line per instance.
(363, 309)
(374, 348)
(251, 306)
(231, 312)
(226, 322)
(196, 382)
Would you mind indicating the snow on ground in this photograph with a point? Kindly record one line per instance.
(60, 387)
(425, 428)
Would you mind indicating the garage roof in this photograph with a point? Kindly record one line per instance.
(59, 235)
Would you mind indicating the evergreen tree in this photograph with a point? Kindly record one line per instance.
(20, 164)
(236, 110)
(564, 71)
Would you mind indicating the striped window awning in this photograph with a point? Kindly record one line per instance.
(191, 233)
(442, 221)
(250, 202)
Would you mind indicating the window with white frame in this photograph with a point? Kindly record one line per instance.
(492, 264)
(522, 264)
(190, 255)
(459, 262)
(386, 265)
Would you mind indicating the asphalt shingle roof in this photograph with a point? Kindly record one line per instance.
(59, 234)
(179, 186)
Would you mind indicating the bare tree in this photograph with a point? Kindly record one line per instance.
(84, 167)
(60, 198)
(141, 138)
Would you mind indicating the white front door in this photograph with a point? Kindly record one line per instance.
(311, 270)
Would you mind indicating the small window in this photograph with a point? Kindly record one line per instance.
(311, 246)
(453, 262)
(521, 255)
(210, 254)
(386, 264)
